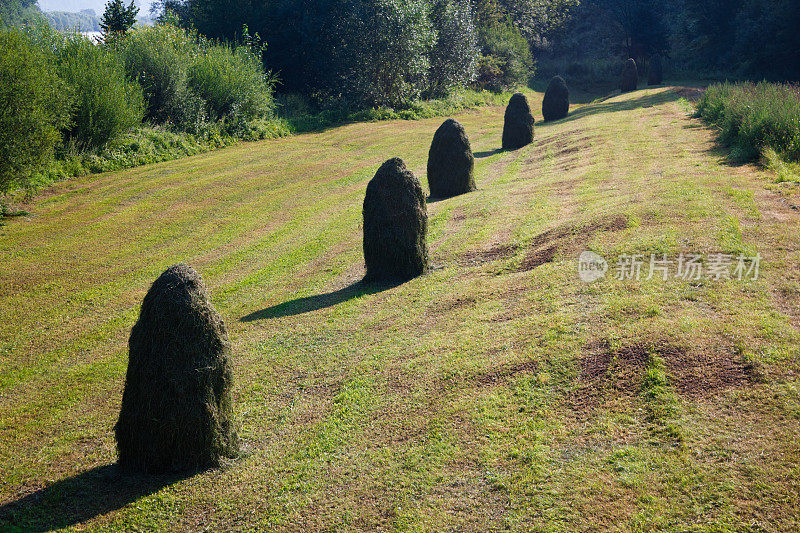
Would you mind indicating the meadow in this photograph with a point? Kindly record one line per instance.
(497, 392)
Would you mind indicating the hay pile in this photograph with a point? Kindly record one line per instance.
(518, 126)
(630, 76)
(555, 105)
(656, 75)
(450, 161)
(395, 225)
(176, 409)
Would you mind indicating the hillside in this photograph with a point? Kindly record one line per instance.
(496, 392)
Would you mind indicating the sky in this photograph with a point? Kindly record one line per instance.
(78, 5)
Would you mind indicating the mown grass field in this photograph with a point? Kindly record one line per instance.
(497, 392)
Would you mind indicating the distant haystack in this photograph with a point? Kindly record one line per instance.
(518, 126)
(395, 224)
(555, 105)
(656, 75)
(630, 76)
(450, 161)
(176, 409)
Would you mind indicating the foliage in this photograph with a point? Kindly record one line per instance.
(454, 56)
(118, 18)
(18, 13)
(158, 59)
(231, 82)
(752, 118)
(33, 109)
(105, 103)
(506, 62)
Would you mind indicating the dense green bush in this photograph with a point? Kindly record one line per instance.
(33, 109)
(506, 62)
(105, 103)
(158, 58)
(232, 83)
(755, 117)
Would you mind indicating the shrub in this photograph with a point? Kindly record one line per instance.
(450, 161)
(518, 124)
(157, 58)
(455, 54)
(33, 109)
(395, 224)
(506, 62)
(630, 76)
(106, 104)
(555, 105)
(176, 410)
(754, 117)
(232, 83)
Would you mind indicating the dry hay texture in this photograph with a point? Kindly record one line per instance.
(395, 225)
(555, 105)
(630, 76)
(450, 161)
(518, 126)
(656, 75)
(176, 408)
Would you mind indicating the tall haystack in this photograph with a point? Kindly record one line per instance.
(395, 224)
(450, 161)
(518, 126)
(176, 408)
(555, 105)
(630, 76)
(656, 74)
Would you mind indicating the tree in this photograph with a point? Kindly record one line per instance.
(117, 18)
(455, 54)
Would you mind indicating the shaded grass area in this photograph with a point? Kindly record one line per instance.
(496, 392)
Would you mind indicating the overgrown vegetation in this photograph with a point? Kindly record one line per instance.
(755, 117)
(73, 106)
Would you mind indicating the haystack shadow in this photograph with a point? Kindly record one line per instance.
(640, 101)
(487, 153)
(299, 306)
(80, 498)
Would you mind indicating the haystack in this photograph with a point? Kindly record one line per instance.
(395, 224)
(555, 105)
(176, 408)
(656, 74)
(630, 76)
(450, 161)
(518, 126)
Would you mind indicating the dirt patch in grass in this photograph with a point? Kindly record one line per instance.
(694, 372)
(545, 247)
(503, 373)
(567, 239)
(612, 372)
(562, 144)
(495, 253)
(703, 371)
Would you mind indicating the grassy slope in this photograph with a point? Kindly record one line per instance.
(497, 391)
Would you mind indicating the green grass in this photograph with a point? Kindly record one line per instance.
(496, 392)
